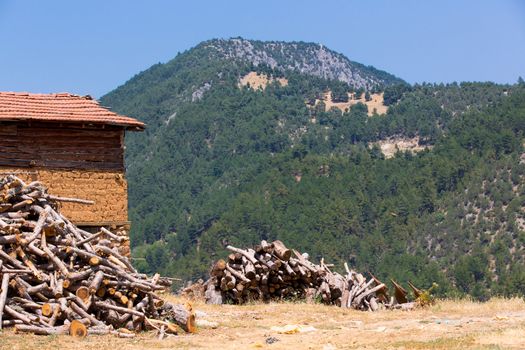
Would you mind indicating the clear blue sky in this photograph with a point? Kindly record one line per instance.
(91, 47)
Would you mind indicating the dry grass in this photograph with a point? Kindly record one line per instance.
(498, 324)
(260, 81)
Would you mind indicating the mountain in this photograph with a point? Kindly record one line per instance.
(251, 140)
(157, 92)
(305, 58)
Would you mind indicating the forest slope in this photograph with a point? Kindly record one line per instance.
(223, 163)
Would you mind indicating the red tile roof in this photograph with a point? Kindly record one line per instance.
(62, 107)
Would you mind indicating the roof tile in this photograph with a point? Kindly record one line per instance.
(60, 107)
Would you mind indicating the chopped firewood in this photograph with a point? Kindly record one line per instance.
(270, 272)
(57, 278)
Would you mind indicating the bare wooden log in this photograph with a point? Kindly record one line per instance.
(56, 261)
(38, 288)
(373, 304)
(83, 313)
(48, 309)
(9, 239)
(237, 274)
(167, 326)
(79, 275)
(55, 315)
(249, 269)
(108, 306)
(39, 224)
(305, 263)
(362, 288)
(180, 315)
(70, 200)
(20, 287)
(7, 259)
(28, 319)
(11, 323)
(266, 247)
(123, 261)
(33, 249)
(132, 285)
(96, 282)
(249, 256)
(38, 274)
(113, 236)
(368, 292)
(280, 250)
(90, 238)
(39, 330)
(3, 294)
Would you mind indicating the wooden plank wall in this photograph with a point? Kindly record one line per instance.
(63, 146)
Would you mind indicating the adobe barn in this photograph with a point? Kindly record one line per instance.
(74, 146)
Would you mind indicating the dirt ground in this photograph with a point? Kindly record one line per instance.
(498, 324)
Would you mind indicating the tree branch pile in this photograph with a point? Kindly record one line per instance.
(271, 271)
(57, 278)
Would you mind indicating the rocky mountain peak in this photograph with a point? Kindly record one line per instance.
(307, 58)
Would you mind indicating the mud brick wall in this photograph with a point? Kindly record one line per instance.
(108, 188)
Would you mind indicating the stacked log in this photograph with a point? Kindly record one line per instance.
(57, 278)
(271, 271)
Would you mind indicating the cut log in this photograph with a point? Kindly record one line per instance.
(83, 294)
(77, 329)
(23, 328)
(181, 316)
(95, 282)
(280, 250)
(47, 309)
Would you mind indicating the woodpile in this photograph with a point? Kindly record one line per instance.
(59, 279)
(271, 271)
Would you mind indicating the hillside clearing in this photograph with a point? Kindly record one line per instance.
(391, 146)
(374, 105)
(260, 80)
(497, 324)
